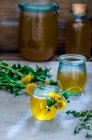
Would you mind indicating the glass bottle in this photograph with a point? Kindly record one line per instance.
(72, 73)
(78, 32)
(38, 30)
(38, 102)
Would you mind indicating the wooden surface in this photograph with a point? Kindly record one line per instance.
(9, 17)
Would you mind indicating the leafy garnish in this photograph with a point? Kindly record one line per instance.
(85, 121)
(10, 76)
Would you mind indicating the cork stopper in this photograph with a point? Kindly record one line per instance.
(79, 8)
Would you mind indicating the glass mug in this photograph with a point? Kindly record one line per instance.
(71, 74)
(38, 102)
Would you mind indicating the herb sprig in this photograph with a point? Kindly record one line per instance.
(10, 76)
(85, 121)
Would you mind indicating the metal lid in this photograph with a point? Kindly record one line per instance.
(38, 6)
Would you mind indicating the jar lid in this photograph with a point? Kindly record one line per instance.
(79, 8)
(37, 6)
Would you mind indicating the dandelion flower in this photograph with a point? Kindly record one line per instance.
(61, 104)
(54, 95)
(59, 101)
(27, 78)
(47, 112)
(30, 87)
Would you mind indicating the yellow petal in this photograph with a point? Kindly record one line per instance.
(27, 78)
(61, 104)
(29, 88)
(51, 94)
(54, 95)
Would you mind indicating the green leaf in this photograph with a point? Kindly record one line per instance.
(79, 127)
(52, 82)
(89, 127)
(10, 76)
(84, 121)
(50, 102)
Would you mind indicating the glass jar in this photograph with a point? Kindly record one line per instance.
(78, 32)
(72, 72)
(38, 30)
(38, 102)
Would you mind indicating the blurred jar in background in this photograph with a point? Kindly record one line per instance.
(38, 30)
(78, 32)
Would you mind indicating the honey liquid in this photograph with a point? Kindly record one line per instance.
(78, 37)
(37, 105)
(37, 35)
(69, 79)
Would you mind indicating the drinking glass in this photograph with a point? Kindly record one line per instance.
(38, 102)
(71, 74)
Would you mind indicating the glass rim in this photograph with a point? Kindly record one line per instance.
(74, 59)
(44, 89)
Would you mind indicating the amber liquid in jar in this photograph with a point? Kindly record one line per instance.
(38, 35)
(78, 34)
(71, 75)
(73, 80)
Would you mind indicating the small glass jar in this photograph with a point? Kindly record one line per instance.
(38, 30)
(78, 32)
(72, 72)
(38, 102)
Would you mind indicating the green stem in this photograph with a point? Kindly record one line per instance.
(81, 121)
(84, 117)
(45, 80)
(8, 84)
(9, 68)
(41, 79)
